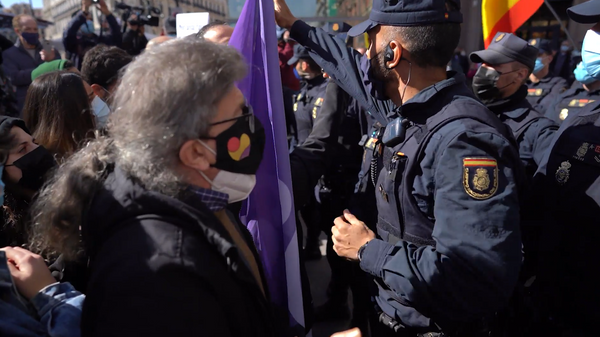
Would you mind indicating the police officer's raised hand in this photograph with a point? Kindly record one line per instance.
(283, 15)
(28, 270)
(349, 234)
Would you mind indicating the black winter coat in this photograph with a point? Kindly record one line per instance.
(163, 267)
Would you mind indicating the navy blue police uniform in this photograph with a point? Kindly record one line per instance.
(541, 94)
(308, 102)
(446, 175)
(566, 289)
(534, 135)
(571, 102)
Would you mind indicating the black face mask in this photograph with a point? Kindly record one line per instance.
(240, 148)
(34, 167)
(484, 84)
(375, 85)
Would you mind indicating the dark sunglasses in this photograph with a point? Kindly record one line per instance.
(247, 113)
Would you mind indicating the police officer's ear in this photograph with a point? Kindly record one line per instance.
(392, 54)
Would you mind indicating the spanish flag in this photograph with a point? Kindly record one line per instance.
(505, 16)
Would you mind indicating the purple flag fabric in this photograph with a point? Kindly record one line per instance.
(269, 211)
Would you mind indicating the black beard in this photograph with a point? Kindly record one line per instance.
(380, 71)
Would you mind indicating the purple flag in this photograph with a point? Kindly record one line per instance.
(269, 211)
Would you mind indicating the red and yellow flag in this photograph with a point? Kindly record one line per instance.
(505, 16)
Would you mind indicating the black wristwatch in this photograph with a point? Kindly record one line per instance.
(361, 250)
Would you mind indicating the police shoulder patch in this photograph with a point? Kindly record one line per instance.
(480, 177)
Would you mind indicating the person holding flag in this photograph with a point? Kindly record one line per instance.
(447, 252)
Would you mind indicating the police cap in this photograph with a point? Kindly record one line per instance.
(587, 12)
(543, 45)
(409, 13)
(507, 48)
(300, 52)
(338, 29)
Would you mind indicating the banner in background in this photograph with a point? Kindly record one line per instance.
(505, 16)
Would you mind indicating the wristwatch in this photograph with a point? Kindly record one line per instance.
(361, 250)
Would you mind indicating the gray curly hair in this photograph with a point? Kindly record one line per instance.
(167, 96)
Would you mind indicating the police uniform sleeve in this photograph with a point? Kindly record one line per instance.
(309, 160)
(474, 267)
(344, 65)
(541, 135)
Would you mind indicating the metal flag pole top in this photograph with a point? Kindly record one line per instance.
(562, 26)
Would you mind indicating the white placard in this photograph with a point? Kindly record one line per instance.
(190, 23)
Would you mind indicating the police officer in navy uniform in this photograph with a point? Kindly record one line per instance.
(567, 292)
(585, 90)
(500, 85)
(307, 105)
(543, 86)
(447, 252)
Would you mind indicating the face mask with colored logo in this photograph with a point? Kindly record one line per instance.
(590, 53)
(539, 65)
(582, 75)
(240, 148)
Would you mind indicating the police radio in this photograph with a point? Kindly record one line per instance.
(395, 132)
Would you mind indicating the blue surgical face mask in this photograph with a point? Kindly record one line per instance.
(296, 74)
(564, 49)
(101, 112)
(582, 75)
(88, 27)
(590, 53)
(539, 65)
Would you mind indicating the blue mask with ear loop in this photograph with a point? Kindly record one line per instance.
(539, 65)
(590, 53)
(581, 74)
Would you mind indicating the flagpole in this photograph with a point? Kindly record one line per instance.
(562, 26)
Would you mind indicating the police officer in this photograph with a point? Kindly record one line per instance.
(448, 250)
(543, 86)
(309, 100)
(500, 85)
(567, 292)
(585, 90)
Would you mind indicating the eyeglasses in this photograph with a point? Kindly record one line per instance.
(247, 113)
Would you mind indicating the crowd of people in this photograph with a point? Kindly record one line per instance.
(455, 203)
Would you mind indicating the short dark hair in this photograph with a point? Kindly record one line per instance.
(208, 27)
(58, 113)
(431, 45)
(102, 64)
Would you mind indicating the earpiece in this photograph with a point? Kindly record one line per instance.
(389, 55)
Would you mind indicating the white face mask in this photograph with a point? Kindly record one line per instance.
(236, 185)
(101, 112)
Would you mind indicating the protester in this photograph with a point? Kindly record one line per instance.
(79, 36)
(217, 32)
(167, 153)
(564, 63)
(101, 69)
(423, 222)
(59, 65)
(157, 41)
(25, 55)
(58, 113)
(8, 102)
(170, 27)
(285, 48)
(32, 302)
(543, 86)
(25, 170)
(134, 39)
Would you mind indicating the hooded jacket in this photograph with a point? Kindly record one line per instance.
(160, 266)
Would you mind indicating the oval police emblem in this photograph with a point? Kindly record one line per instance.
(564, 113)
(480, 177)
(500, 37)
(562, 174)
